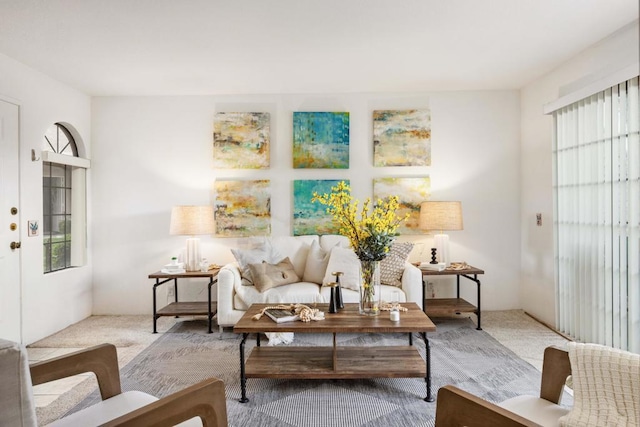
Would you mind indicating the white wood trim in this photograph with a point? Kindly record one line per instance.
(598, 86)
(49, 156)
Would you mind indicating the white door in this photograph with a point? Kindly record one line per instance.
(10, 298)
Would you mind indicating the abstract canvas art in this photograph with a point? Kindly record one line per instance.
(411, 193)
(241, 140)
(243, 208)
(312, 218)
(320, 140)
(402, 137)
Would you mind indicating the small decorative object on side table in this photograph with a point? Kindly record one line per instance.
(433, 256)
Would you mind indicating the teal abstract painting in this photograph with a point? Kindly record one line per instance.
(320, 140)
(308, 217)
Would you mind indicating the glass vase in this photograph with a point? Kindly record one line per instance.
(370, 288)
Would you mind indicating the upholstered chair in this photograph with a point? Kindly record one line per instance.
(606, 391)
(202, 404)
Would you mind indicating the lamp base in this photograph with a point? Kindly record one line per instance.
(441, 242)
(192, 262)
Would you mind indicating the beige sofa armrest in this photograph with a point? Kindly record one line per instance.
(456, 407)
(102, 360)
(228, 277)
(412, 284)
(205, 400)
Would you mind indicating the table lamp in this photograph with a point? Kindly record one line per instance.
(192, 221)
(441, 216)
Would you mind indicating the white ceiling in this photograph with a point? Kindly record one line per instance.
(158, 47)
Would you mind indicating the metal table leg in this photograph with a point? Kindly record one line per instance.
(243, 377)
(209, 315)
(427, 379)
(155, 316)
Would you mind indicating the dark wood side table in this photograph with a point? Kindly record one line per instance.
(193, 308)
(446, 306)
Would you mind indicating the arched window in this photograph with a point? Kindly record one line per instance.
(64, 201)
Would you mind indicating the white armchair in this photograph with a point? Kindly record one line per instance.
(201, 404)
(606, 385)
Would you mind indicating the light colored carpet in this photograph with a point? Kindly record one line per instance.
(132, 334)
(461, 355)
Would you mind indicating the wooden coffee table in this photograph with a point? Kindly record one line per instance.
(336, 362)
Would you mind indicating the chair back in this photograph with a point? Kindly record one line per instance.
(16, 392)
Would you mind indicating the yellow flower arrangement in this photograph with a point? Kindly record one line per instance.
(373, 233)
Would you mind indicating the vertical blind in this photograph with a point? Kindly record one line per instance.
(597, 218)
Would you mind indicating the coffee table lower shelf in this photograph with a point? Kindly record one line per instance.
(344, 363)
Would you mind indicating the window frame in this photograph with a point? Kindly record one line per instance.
(75, 171)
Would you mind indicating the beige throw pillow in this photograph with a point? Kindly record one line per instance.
(264, 252)
(267, 276)
(316, 265)
(346, 261)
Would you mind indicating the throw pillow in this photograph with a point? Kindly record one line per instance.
(266, 276)
(345, 260)
(392, 266)
(263, 252)
(316, 264)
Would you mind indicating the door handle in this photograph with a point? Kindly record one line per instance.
(15, 245)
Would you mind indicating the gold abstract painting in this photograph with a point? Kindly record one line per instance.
(411, 193)
(402, 137)
(243, 208)
(241, 140)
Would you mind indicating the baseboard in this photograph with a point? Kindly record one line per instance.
(545, 324)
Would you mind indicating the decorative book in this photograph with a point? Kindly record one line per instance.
(432, 267)
(281, 316)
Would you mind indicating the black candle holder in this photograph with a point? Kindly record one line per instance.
(333, 307)
(339, 302)
(433, 256)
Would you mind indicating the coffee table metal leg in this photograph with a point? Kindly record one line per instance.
(427, 379)
(243, 377)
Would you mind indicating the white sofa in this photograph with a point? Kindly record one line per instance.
(234, 297)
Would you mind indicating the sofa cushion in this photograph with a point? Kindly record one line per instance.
(113, 408)
(348, 295)
(328, 241)
(296, 248)
(264, 251)
(300, 292)
(316, 264)
(266, 276)
(536, 409)
(392, 266)
(346, 261)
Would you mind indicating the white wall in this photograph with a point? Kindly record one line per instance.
(150, 153)
(537, 262)
(56, 300)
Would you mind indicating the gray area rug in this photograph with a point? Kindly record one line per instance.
(460, 355)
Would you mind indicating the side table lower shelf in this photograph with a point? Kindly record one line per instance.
(436, 307)
(194, 308)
